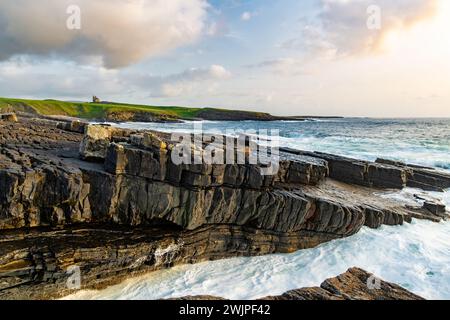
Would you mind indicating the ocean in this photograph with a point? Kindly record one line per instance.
(417, 141)
(415, 256)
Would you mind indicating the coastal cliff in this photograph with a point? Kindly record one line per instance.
(111, 202)
(119, 112)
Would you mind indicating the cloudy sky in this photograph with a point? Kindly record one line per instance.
(288, 57)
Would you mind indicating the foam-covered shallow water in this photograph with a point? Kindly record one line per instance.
(415, 256)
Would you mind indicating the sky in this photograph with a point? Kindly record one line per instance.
(374, 58)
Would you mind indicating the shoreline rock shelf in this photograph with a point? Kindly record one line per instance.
(380, 174)
(111, 202)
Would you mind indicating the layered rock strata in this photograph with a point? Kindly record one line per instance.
(380, 174)
(112, 203)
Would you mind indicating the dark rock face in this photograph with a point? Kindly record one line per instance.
(435, 208)
(36, 188)
(126, 192)
(34, 265)
(41, 197)
(354, 284)
(422, 177)
(157, 165)
(362, 173)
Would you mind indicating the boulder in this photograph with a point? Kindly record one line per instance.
(96, 141)
(354, 284)
(73, 126)
(9, 117)
(435, 208)
(151, 140)
(386, 176)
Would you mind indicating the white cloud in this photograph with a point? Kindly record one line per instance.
(187, 82)
(341, 26)
(282, 66)
(67, 80)
(246, 16)
(57, 79)
(217, 28)
(120, 32)
(249, 15)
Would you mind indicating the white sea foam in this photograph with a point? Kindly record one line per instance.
(419, 141)
(415, 256)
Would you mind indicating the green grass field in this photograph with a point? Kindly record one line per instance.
(92, 110)
(125, 112)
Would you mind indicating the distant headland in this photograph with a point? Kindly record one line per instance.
(121, 112)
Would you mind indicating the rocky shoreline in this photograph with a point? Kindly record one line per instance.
(111, 202)
(354, 284)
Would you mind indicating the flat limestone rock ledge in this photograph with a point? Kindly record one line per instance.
(111, 202)
(382, 173)
(354, 284)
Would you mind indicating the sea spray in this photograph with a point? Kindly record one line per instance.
(165, 256)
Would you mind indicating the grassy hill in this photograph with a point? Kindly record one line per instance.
(126, 112)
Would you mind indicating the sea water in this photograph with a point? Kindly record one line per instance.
(417, 141)
(415, 256)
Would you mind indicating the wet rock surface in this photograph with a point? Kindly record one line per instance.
(354, 284)
(111, 202)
